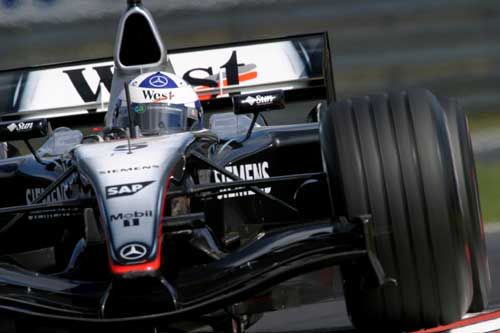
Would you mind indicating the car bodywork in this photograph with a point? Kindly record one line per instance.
(163, 229)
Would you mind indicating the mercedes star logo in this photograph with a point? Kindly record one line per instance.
(158, 81)
(133, 251)
(133, 146)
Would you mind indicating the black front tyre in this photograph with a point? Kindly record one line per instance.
(468, 192)
(390, 156)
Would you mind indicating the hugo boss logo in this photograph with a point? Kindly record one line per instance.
(123, 190)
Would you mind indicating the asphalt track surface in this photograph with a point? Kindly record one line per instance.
(331, 316)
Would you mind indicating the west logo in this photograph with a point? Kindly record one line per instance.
(125, 189)
(233, 71)
(153, 95)
(81, 85)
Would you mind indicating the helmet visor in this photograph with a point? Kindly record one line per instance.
(159, 118)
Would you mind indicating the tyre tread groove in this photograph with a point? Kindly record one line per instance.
(418, 169)
(355, 121)
(389, 216)
(406, 209)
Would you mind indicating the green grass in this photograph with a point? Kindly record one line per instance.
(488, 173)
(488, 176)
(482, 121)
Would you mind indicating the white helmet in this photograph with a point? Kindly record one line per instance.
(160, 103)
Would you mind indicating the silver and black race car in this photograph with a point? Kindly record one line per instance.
(138, 226)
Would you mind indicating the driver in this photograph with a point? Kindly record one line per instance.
(160, 103)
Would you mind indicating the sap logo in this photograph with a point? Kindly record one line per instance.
(245, 172)
(152, 95)
(131, 219)
(20, 127)
(259, 100)
(130, 169)
(125, 189)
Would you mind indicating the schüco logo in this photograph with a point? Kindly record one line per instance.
(20, 127)
(125, 189)
(259, 100)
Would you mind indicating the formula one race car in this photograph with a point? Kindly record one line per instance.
(156, 220)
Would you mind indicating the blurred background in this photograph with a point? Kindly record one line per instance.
(449, 46)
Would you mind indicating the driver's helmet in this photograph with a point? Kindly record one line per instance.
(160, 103)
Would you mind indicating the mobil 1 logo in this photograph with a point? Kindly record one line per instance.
(131, 219)
(123, 190)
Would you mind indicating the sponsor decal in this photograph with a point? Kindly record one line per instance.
(133, 251)
(139, 108)
(20, 127)
(12, 127)
(82, 86)
(133, 146)
(155, 96)
(232, 73)
(259, 100)
(124, 190)
(245, 172)
(158, 81)
(55, 196)
(129, 169)
(58, 194)
(132, 219)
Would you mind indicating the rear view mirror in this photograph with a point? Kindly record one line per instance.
(23, 129)
(258, 102)
(61, 141)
